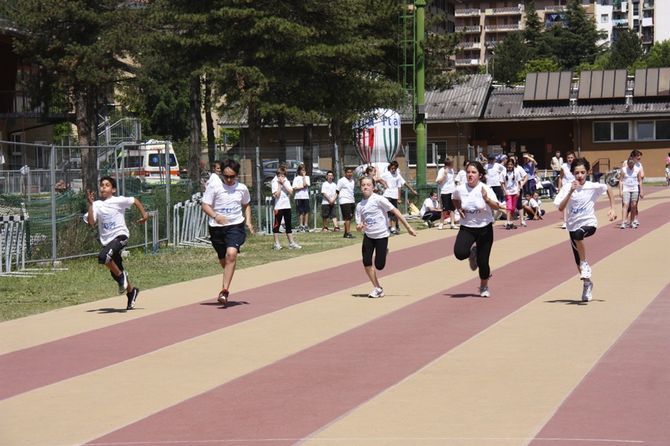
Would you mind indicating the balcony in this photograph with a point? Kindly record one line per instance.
(648, 5)
(511, 10)
(620, 22)
(469, 46)
(502, 28)
(16, 104)
(467, 12)
(647, 22)
(467, 62)
(469, 29)
(555, 8)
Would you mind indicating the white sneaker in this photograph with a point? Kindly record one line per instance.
(484, 291)
(523, 223)
(294, 245)
(440, 226)
(586, 291)
(473, 257)
(377, 292)
(623, 225)
(276, 246)
(635, 224)
(453, 226)
(563, 226)
(585, 270)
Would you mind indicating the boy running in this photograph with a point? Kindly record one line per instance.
(108, 213)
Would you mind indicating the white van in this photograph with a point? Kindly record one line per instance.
(147, 162)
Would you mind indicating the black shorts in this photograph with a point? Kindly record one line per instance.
(447, 204)
(224, 237)
(376, 246)
(347, 210)
(112, 251)
(327, 211)
(582, 233)
(302, 206)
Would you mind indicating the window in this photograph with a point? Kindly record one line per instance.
(645, 130)
(611, 131)
(662, 129)
(604, 18)
(432, 150)
(156, 160)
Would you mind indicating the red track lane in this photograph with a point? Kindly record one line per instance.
(297, 396)
(638, 367)
(61, 359)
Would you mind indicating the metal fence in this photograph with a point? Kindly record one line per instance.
(43, 183)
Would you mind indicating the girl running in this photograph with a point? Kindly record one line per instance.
(475, 202)
(630, 188)
(371, 218)
(578, 199)
(511, 186)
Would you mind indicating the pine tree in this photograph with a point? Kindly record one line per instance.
(626, 50)
(533, 31)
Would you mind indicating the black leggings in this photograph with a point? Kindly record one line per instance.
(483, 237)
(378, 246)
(286, 215)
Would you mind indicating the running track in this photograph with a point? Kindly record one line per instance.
(302, 358)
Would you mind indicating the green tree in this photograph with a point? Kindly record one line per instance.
(78, 47)
(659, 55)
(537, 66)
(509, 58)
(533, 30)
(626, 50)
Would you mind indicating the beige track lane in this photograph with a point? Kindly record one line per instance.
(40, 328)
(501, 387)
(107, 399)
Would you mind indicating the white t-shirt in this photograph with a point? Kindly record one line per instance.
(227, 201)
(477, 213)
(494, 173)
(535, 204)
(512, 179)
(427, 204)
(346, 189)
(109, 214)
(568, 177)
(303, 193)
(580, 209)
(282, 202)
(394, 181)
(461, 177)
(329, 190)
(630, 181)
(373, 212)
(449, 184)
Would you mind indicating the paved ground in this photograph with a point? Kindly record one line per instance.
(302, 357)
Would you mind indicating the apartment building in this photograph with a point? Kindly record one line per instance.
(487, 22)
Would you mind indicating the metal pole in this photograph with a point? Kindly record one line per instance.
(52, 171)
(168, 183)
(259, 185)
(420, 80)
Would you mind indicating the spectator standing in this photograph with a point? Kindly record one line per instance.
(395, 182)
(566, 176)
(578, 199)
(281, 192)
(108, 213)
(446, 179)
(476, 201)
(371, 218)
(528, 164)
(556, 163)
(630, 189)
(300, 186)
(329, 194)
(345, 194)
(226, 203)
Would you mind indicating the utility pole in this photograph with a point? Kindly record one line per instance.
(420, 89)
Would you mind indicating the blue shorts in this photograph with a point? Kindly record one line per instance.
(224, 237)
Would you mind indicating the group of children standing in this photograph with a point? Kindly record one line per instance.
(473, 193)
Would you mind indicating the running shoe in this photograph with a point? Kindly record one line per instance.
(294, 245)
(348, 235)
(276, 246)
(586, 291)
(223, 298)
(132, 298)
(440, 226)
(623, 225)
(563, 226)
(635, 224)
(473, 257)
(122, 280)
(484, 291)
(585, 270)
(453, 227)
(377, 292)
(523, 223)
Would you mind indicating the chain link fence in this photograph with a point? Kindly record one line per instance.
(41, 187)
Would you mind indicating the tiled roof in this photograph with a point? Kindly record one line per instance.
(463, 102)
